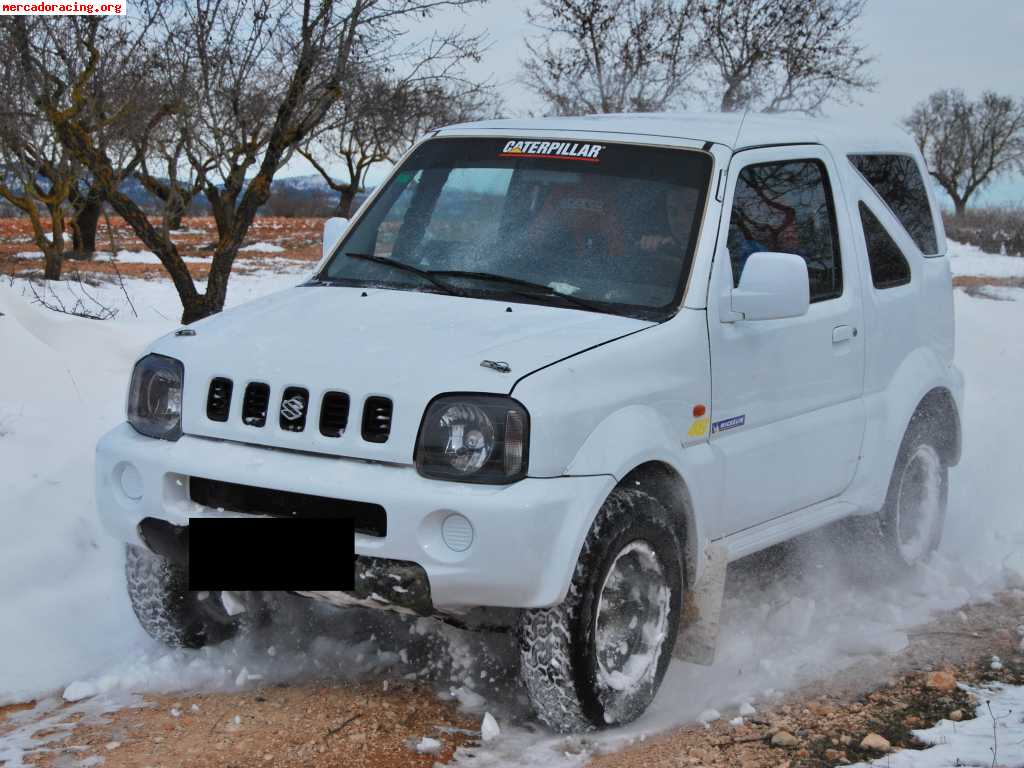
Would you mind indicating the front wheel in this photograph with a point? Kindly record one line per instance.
(598, 658)
(167, 610)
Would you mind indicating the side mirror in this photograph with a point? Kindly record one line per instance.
(772, 286)
(334, 228)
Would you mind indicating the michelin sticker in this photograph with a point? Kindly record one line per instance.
(735, 421)
(552, 150)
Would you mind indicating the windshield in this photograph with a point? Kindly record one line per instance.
(610, 227)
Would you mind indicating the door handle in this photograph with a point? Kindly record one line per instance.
(843, 333)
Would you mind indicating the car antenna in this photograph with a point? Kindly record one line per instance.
(739, 128)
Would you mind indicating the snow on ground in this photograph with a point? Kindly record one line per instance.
(782, 626)
(262, 248)
(971, 260)
(993, 738)
(123, 257)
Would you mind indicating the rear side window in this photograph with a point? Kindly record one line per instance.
(787, 207)
(898, 182)
(889, 267)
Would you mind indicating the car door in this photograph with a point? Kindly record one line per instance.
(787, 408)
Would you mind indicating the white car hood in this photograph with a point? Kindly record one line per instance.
(404, 345)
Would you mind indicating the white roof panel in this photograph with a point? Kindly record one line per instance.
(732, 129)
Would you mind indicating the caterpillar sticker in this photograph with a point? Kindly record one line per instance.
(552, 150)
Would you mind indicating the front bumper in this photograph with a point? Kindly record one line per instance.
(525, 537)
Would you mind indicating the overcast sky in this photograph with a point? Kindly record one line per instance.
(919, 46)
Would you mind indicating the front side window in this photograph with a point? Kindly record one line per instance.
(898, 182)
(609, 226)
(787, 207)
(889, 267)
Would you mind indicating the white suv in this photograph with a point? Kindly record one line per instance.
(552, 364)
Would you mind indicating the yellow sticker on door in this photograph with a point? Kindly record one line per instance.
(699, 428)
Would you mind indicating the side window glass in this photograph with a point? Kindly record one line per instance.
(889, 267)
(898, 182)
(787, 207)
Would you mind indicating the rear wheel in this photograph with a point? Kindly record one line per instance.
(598, 658)
(167, 610)
(909, 528)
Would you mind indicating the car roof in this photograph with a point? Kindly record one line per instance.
(736, 130)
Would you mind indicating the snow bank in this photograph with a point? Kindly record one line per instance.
(63, 385)
(60, 580)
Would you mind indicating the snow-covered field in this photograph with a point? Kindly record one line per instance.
(68, 626)
(971, 260)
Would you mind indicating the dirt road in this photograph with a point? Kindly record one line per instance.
(383, 723)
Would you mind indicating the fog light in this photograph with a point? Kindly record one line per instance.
(457, 533)
(130, 481)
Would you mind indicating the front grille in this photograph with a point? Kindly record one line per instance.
(218, 400)
(255, 404)
(334, 414)
(370, 519)
(294, 404)
(377, 419)
(292, 407)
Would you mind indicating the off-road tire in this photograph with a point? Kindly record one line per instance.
(167, 610)
(558, 654)
(877, 538)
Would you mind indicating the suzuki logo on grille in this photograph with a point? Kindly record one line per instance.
(293, 408)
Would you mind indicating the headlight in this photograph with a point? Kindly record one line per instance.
(474, 438)
(154, 397)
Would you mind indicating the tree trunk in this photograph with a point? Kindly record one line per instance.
(173, 219)
(54, 255)
(83, 228)
(960, 207)
(194, 308)
(348, 196)
(175, 207)
(53, 260)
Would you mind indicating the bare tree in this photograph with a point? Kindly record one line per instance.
(598, 56)
(378, 121)
(648, 55)
(240, 84)
(36, 176)
(969, 143)
(782, 55)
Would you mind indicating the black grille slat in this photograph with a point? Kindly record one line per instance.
(294, 407)
(334, 414)
(370, 519)
(218, 400)
(377, 419)
(255, 404)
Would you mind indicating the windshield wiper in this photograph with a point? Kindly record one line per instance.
(533, 288)
(388, 262)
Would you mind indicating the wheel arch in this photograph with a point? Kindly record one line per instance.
(661, 480)
(938, 407)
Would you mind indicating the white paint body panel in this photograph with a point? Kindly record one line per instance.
(605, 394)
